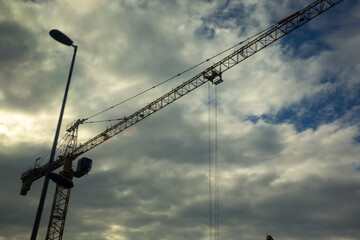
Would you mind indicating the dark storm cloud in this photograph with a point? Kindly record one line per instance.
(328, 205)
(16, 208)
(165, 136)
(140, 196)
(16, 43)
(182, 143)
(259, 145)
(23, 73)
(306, 208)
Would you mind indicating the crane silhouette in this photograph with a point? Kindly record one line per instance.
(72, 150)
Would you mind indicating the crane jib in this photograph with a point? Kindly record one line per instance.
(273, 34)
(213, 74)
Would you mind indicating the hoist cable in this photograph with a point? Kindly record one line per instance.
(214, 226)
(210, 167)
(216, 170)
(214, 219)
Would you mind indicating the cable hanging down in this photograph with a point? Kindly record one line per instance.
(213, 166)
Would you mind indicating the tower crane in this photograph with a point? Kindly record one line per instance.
(213, 74)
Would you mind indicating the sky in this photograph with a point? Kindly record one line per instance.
(288, 131)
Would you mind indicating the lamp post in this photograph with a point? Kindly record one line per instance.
(62, 38)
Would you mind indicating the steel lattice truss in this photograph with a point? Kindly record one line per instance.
(58, 213)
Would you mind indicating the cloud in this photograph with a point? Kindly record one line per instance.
(287, 119)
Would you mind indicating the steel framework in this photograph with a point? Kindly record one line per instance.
(58, 213)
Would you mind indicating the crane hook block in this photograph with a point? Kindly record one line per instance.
(214, 76)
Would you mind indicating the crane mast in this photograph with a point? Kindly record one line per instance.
(213, 74)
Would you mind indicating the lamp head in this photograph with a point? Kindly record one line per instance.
(61, 37)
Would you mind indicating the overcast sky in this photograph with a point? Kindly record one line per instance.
(287, 119)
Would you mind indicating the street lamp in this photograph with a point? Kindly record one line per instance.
(62, 38)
